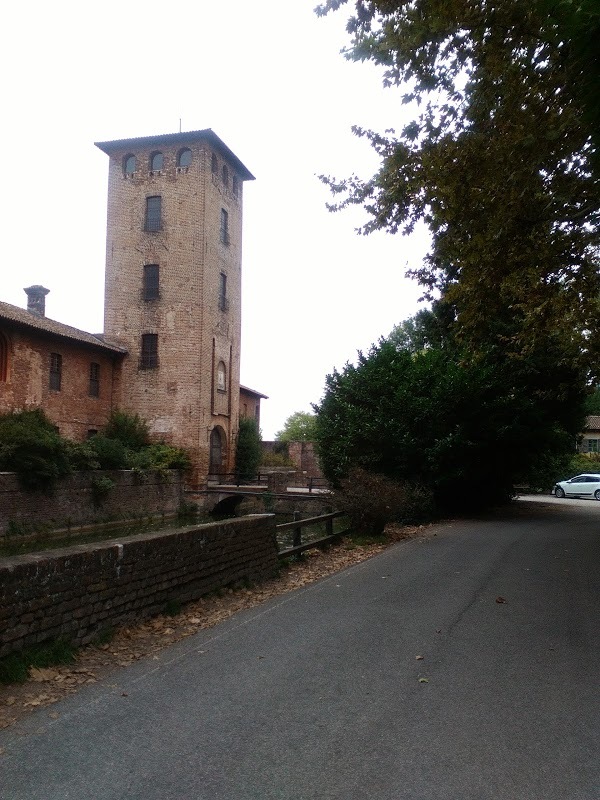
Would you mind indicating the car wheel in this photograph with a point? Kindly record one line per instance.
(558, 492)
(597, 494)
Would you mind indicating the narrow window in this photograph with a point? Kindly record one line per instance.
(153, 214)
(151, 282)
(129, 165)
(55, 371)
(214, 164)
(235, 186)
(149, 356)
(223, 301)
(156, 162)
(92, 432)
(3, 358)
(224, 226)
(221, 377)
(184, 159)
(225, 174)
(94, 380)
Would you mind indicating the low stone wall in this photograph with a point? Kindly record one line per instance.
(74, 502)
(77, 592)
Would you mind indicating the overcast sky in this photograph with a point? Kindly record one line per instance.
(267, 76)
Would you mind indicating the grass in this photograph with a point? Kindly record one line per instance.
(14, 668)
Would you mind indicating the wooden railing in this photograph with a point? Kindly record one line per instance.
(298, 524)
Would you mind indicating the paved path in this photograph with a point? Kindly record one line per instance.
(317, 694)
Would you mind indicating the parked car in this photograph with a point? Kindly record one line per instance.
(587, 485)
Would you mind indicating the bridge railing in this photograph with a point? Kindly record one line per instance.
(298, 525)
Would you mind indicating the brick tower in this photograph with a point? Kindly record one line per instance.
(173, 288)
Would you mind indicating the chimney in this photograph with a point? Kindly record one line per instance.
(36, 300)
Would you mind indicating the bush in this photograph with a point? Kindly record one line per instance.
(248, 453)
(371, 501)
(159, 457)
(110, 453)
(129, 429)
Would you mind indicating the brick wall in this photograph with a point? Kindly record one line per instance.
(72, 501)
(79, 591)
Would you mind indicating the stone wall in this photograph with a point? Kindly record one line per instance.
(78, 592)
(73, 501)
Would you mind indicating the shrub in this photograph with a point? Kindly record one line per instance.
(101, 488)
(159, 457)
(129, 429)
(110, 453)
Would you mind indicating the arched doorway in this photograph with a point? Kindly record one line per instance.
(218, 451)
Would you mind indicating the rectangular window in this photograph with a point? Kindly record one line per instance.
(223, 301)
(592, 445)
(153, 214)
(224, 226)
(150, 290)
(149, 356)
(94, 380)
(55, 371)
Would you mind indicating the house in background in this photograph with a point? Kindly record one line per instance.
(590, 441)
(170, 351)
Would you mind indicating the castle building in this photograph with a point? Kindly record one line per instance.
(172, 320)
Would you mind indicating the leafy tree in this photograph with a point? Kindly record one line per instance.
(248, 451)
(592, 402)
(500, 163)
(298, 427)
(467, 427)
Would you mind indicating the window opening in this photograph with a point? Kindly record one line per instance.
(55, 371)
(129, 165)
(214, 164)
(223, 301)
(224, 226)
(153, 213)
(151, 282)
(235, 185)
(225, 174)
(221, 377)
(3, 358)
(156, 162)
(149, 355)
(184, 158)
(94, 380)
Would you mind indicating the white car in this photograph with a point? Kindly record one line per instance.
(587, 485)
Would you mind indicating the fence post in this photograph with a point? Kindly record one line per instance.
(329, 527)
(297, 535)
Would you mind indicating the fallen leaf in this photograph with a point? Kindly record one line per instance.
(40, 674)
(500, 600)
(423, 680)
(419, 658)
(54, 715)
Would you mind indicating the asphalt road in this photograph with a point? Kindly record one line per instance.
(318, 695)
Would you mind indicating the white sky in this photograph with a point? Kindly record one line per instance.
(267, 76)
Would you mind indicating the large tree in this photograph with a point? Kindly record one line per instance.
(501, 163)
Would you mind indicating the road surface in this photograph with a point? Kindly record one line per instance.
(322, 694)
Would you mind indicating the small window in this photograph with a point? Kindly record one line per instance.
(153, 214)
(151, 282)
(221, 377)
(214, 164)
(129, 165)
(225, 174)
(92, 432)
(55, 371)
(3, 358)
(224, 233)
(223, 301)
(149, 355)
(592, 445)
(184, 159)
(94, 380)
(235, 186)
(156, 162)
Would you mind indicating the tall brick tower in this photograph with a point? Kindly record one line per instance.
(173, 288)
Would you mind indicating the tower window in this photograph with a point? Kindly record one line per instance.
(224, 235)
(221, 377)
(225, 174)
(129, 165)
(153, 214)
(94, 380)
(223, 301)
(3, 358)
(214, 164)
(150, 289)
(55, 371)
(235, 186)
(149, 354)
(184, 159)
(156, 162)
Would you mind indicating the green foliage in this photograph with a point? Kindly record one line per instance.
(592, 402)
(371, 501)
(14, 668)
(31, 447)
(130, 429)
(159, 458)
(298, 427)
(500, 161)
(274, 459)
(101, 488)
(577, 464)
(109, 453)
(248, 453)
(467, 427)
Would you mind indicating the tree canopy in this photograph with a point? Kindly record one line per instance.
(501, 162)
(298, 427)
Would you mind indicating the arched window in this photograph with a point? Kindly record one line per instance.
(235, 186)
(221, 377)
(156, 162)
(225, 173)
(129, 165)
(3, 358)
(214, 164)
(184, 159)
(218, 443)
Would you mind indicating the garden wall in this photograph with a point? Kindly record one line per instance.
(78, 592)
(74, 501)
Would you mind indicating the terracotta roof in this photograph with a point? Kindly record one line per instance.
(592, 423)
(251, 391)
(22, 318)
(206, 135)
